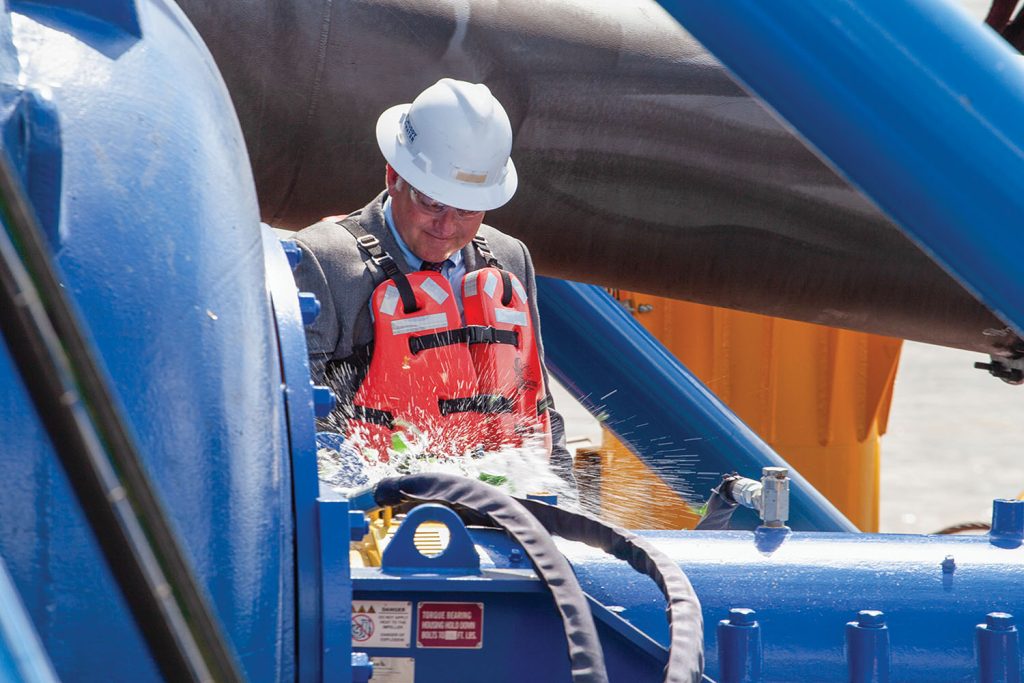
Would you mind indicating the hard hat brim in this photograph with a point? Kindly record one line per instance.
(451, 192)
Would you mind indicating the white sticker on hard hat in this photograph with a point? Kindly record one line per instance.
(469, 283)
(491, 284)
(434, 291)
(387, 305)
(420, 323)
(510, 316)
(518, 287)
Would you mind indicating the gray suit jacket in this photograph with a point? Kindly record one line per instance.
(334, 269)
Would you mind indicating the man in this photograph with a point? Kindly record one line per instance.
(448, 161)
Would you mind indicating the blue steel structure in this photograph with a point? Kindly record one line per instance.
(655, 405)
(141, 183)
(22, 657)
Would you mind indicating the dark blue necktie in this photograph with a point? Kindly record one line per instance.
(432, 265)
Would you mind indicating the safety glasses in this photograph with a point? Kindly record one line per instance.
(431, 205)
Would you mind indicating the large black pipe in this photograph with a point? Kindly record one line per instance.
(642, 165)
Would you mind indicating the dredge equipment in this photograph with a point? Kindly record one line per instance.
(153, 342)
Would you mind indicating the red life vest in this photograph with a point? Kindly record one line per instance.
(495, 299)
(462, 387)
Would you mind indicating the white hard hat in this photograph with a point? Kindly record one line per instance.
(452, 143)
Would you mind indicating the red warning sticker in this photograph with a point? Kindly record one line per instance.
(450, 624)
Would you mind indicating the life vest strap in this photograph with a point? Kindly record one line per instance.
(506, 288)
(480, 242)
(372, 247)
(481, 403)
(544, 405)
(471, 334)
(376, 416)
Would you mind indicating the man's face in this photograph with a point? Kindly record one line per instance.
(431, 235)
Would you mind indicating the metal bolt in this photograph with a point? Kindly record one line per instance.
(742, 616)
(1007, 519)
(999, 621)
(358, 524)
(870, 618)
(948, 565)
(324, 401)
(309, 307)
(515, 556)
(645, 308)
(292, 251)
(740, 655)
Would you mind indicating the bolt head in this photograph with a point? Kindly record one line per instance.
(948, 565)
(309, 307)
(515, 556)
(324, 401)
(358, 524)
(292, 251)
(742, 616)
(870, 618)
(999, 621)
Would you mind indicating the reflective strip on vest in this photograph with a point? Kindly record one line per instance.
(510, 316)
(434, 291)
(490, 284)
(420, 323)
(519, 290)
(390, 301)
(469, 283)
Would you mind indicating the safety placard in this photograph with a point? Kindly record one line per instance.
(381, 623)
(393, 669)
(450, 624)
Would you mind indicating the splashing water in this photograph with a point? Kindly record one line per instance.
(348, 464)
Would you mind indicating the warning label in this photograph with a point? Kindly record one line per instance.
(381, 623)
(393, 669)
(450, 624)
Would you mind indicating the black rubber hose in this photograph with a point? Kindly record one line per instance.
(98, 453)
(686, 623)
(586, 657)
(720, 506)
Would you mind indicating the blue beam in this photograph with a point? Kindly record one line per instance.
(916, 104)
(655, 405)
(22, 658)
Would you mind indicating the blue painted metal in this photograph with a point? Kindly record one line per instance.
(336, 591)
(31, 135)
(917, 104)
(656, 406)
(309, 305)
(358, 525)
(166, 269)
(459, 557)
(324, 400)
(998, 645)
(523, 637)
(299, 404)
(739, 647)
(549, 498)
(805, 590)
(293, 253)
(362, 668)
(867, 648)
(1007, 522)
(22, 658)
